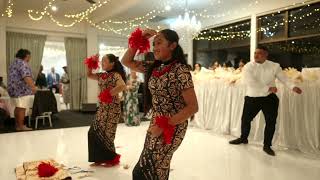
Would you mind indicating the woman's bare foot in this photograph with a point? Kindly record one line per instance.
(95, 164)
(108, 165)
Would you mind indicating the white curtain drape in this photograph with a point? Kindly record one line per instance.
(76, 52)
(33, 42)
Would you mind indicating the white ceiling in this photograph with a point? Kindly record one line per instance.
(119, 9)
(126, 9)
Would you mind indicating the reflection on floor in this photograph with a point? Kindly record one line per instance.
(202, 156)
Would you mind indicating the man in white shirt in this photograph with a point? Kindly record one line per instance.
(259, 77)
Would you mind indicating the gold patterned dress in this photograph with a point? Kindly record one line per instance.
(102, 132)
(167, 100)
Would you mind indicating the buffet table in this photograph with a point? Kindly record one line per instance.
(221, 102)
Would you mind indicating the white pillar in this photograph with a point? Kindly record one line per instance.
(3, 58)
(92, 48)
(187, 45)
(253, 37)
(190, 52)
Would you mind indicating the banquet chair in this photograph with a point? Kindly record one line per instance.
(43, 117)
(44, 106)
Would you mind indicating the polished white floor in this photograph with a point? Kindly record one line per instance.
(202, 156)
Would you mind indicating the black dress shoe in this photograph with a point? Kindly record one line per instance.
(239, 141)
(269, 151)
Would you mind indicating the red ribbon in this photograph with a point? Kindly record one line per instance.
(105, 96)
(46, 170)
(159, 73)
(137, 41)
(104, 76)
(92, 62)
(168, 130)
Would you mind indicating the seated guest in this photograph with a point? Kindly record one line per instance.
(214, 66)
(227, 66)
(197, 68)
(241, 64)
(53, 80)
(2, 83)
(41, 81)
(3, 88)
(4, 112)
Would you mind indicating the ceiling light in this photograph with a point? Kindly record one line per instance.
(167, 8)
(54, 8)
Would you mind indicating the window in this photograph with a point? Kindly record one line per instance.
(223, 44)
(54, 55)
(272, 26)
(292, 36)
(304, 21)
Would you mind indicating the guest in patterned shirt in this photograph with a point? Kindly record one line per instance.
(170, 95)
(131, 107)
(21, 86)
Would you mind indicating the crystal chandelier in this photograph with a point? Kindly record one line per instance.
(186, 27)
(187, 30)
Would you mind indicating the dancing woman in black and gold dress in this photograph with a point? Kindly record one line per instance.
(171, 96)
(102, 132)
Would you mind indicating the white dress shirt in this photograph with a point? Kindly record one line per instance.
(54, 78)
(260, 77)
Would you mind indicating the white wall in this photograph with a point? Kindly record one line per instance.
(92, 48)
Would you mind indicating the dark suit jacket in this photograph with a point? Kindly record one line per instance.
(50, 79)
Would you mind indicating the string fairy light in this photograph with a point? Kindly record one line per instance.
(88, 11)
(9, 10)
(145, 20)
(77, 18)
(225, 34)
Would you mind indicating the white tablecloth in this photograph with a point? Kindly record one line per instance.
(11, 106)
(298, 123)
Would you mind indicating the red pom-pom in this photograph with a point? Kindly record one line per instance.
(137, 41)
(92, 62)
(46, 170)
(168, 130)
(105, 96)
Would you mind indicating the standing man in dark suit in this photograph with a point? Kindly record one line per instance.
(53, 80)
